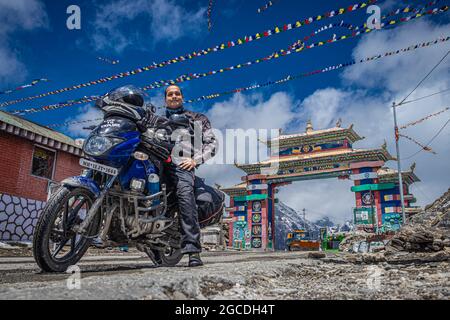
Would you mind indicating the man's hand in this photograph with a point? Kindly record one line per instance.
(188, 164)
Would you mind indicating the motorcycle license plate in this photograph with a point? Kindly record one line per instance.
(99, 167)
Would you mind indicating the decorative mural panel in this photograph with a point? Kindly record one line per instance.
(367, 198)
(256, 230)
(18, 217)
(256, 218)
(256, 206)
(256, 243)
(392, 221)
(239, 235)
(315, 168)
(311, 148)
(247, 239)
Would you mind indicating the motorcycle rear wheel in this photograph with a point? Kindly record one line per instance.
(53, 230)
(170, 257)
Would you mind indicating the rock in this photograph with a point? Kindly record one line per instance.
(446, 243)
(6, 246)
(177, 295)
(351, 242)
(316, 255)
(418, 258)
(373, 258)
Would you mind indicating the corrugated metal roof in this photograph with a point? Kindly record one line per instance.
(35, 128)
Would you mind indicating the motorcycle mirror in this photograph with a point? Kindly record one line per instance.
(150, 107)
(99, 103)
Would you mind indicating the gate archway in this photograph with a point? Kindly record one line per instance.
(317, 154)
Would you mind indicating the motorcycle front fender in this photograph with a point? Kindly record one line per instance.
(82, 182)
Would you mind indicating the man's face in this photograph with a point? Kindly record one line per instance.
(174, 98)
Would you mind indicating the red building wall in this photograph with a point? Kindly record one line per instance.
(16, 156)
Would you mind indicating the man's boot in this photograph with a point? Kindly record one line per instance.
(194, 260)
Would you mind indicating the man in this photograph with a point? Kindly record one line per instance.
(181, 172)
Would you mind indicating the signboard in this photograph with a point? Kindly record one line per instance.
(364, 215)
(257, 187)
(365, 175)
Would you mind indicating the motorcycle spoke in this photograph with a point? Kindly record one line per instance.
(73, 243)
(74, 211)
(60, 247)
(65, 216)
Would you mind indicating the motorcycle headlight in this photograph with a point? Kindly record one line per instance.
(98, 145)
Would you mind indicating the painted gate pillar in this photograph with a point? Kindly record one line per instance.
(258, 213)
(367, 193)
(237, 219)
(231, 225)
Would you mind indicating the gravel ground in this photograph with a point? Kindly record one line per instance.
(236, 275)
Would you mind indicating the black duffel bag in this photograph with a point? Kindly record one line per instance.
(210, 203)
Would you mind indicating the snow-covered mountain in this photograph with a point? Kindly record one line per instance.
(286, 220)
(324, 222)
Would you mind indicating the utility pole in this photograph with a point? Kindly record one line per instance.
(400, 178)
(304, 219)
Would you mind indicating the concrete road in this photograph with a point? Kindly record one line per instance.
(226, 275)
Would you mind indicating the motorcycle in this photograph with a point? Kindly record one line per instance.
(121, 199)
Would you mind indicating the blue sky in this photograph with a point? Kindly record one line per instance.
(68, 57)
(35, 43)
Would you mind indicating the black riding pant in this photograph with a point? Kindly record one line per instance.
(183, 182)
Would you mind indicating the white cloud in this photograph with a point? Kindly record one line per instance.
(322, 106)
(85, 113)
(22, 14)
(253, 112)
(365, 100)
(245, 112)
(316, 197)
(400, 73)
(393, 78)
(14, 16)
(167, 21)
(11, 69)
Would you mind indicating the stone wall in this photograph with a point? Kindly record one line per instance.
(18, 217)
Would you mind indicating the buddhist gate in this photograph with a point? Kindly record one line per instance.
(317, 154)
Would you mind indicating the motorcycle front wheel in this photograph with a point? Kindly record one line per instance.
(56, 246)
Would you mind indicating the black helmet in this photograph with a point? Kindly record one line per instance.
(127, 94)
(127, 101)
